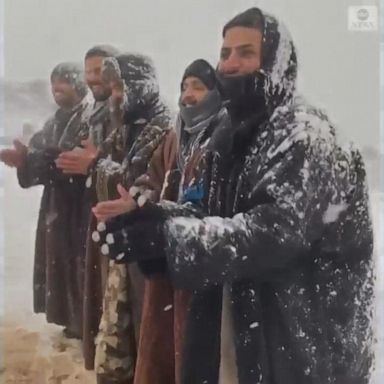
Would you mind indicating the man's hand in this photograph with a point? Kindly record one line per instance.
(134, 236)
(78, 160)
(14, 157)
(110, 70)
(111, 75)
(117, 95)
(107, 209)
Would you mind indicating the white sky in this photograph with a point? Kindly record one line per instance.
(339, 69)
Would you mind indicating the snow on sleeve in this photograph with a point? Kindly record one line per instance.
(333, 212)
(109, 166)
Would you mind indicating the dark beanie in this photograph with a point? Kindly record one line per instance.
(203, 71)
(71, 73)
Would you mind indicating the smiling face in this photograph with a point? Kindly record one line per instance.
(92, 66)
(241, 51)
(193, 91)
(64, 93)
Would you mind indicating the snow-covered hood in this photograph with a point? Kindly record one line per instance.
(142, 89)
(278, 63)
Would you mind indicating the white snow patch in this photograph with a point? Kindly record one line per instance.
(101, 227)
(134, 191)
(88, 182)
(141, 200)
(333, 212)
(96, 236)
(110, 239)
(109, 166)
(105, 249)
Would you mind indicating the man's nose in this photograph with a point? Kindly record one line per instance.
(187, 97)
(231, 65)
(93, 77)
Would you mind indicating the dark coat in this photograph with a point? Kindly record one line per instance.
(284, 224)
(62, 224)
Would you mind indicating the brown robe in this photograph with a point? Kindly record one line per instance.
(130, 150)
(164, 308)
(95, 266)
(102, 186)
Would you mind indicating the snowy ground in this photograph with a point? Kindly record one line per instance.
(32, 352)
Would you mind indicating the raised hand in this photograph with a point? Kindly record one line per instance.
(107, 209)
(111, 75)
(78, 160)
(14, 157)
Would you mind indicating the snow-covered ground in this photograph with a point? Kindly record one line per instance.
(32, 351)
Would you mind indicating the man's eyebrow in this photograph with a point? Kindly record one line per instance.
(242, 46)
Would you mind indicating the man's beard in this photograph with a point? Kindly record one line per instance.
(100, 95)
(244, 94)
(196, 113)
(65, 102)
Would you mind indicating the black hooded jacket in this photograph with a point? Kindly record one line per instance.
(58, 272)
(145, 119)
(286, 227)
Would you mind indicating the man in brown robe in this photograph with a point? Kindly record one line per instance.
(97, 119)
(164, 308)
(133, 106)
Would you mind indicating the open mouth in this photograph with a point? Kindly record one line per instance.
(96, 88)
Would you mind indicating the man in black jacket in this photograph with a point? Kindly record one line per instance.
(287, 232)
(62, 224)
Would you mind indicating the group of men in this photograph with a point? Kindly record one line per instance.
(233, 245)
